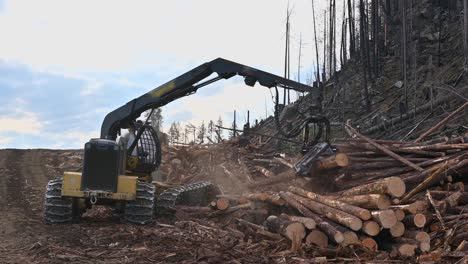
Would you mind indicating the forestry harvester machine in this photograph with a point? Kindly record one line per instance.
(120, 177)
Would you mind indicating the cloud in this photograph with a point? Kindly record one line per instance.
(70, 72)
(23, 122)
(5, 140)
(92, 88)
(137, 36)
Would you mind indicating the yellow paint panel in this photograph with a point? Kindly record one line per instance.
(163, 89)
(127, 184)
(126, 187)
(71, 181)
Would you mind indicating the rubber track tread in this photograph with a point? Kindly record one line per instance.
(141, 210)
(198, 193)
(57, 209)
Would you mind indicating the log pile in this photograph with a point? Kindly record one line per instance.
(407, 204)
(403, 198)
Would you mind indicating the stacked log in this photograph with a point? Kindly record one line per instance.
(402, 197)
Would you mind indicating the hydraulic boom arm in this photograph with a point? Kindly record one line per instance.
(189, 83)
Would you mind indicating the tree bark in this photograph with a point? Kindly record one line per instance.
(368, 201)
(269, 197)
(416, 220)
(324, 225)
(334, 161)
(465, 30)
(392, 186)
(363, 214)
(417, 235)
(309, 223)
(293, 231)
(331, 213)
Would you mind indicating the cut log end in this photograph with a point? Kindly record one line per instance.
(425, 246)
(317, 238)
(222, 203)
(371, 228)
(370, 244)
(338, 237)
(400, 214)
(420, 236)
(419, 220)
(355, 224)
(386, 218)
(350, 238)
(396, 187)
(406, 250)
(295, 231)
(398, 229)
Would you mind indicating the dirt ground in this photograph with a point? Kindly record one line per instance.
(100, 238)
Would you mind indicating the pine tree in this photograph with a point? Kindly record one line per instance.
(156, 119)
(211, 128)
(219, 134)
(186, 134)
(201, 133)
(174, 133)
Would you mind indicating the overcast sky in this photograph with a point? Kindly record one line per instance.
(65, 64)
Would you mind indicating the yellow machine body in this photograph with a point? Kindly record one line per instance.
(126, 188)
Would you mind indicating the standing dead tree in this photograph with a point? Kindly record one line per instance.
(287, 56)
(316, 45)
(403, 46)
(352, 36)
(363, 47)
(465, 20)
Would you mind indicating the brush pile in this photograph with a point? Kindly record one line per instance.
(397, 198)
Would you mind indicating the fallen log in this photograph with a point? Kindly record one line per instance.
(363, 214)
(423, 246)
(463, 246)
(194, 209)
(318, 238)
(368, 201)
(417, 235)
(413, 208)
(270, 197)
(309, 223)
(369, 243)
(324, 225)
(440, 195)
(331, 213)
(293, 231)
(397, 230)
(385, 218)
(441, 123)
(283, 162)
(392, 186)
(350, 237)
(220, 204)
(400, 214)
(334, 161)
(416, 220)
(259, 229)
(403, 250)
(429, 180)
(410, 114)
(384, 149)
(230, 210)
(370, 228)
(264, 172)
